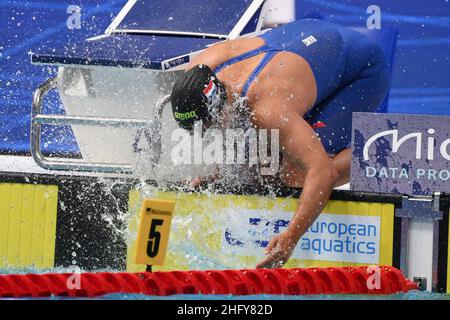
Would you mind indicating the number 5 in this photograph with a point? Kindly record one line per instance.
(154, 238)
(154, 230)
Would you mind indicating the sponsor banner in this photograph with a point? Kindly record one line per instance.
(396, 153)
(231, 232)
(332, 237)
(28, 216)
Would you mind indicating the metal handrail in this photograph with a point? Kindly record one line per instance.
(62, 164)
(89, 121)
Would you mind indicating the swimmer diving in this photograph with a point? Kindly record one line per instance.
(305, 79)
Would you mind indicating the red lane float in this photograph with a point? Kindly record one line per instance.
(346, 280)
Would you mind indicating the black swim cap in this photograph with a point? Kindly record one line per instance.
(197, 95)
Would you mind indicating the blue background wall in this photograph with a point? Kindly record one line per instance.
(421, 76)
(24, 27)
(421, 80)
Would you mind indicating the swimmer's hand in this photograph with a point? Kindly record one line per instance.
(197, 181)
(278, 251)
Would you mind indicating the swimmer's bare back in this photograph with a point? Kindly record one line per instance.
(286, 72)
(305, 79)
(284, 91)
(287, 77)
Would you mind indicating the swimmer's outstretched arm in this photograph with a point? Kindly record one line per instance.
(300, 143)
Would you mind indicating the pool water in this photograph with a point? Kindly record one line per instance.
(413, 295)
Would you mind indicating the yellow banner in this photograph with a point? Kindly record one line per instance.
(231, 231)
(27, 225)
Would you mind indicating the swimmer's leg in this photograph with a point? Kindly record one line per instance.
(335, 115)
(364, 94)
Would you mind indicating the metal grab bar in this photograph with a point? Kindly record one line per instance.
(61, 164)
(89, 121)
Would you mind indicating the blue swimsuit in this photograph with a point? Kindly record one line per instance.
(351, 73)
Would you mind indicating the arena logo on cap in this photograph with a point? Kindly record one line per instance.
(406, 154)
(185, 115)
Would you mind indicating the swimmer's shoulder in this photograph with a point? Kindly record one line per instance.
(212, 55)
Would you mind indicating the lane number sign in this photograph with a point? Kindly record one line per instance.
(154, 230)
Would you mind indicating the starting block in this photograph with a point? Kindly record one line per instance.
(115, 86)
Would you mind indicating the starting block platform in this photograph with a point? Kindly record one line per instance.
(159, 36)
(136, 60)
(127, 51)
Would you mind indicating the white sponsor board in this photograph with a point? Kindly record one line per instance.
(332, 237)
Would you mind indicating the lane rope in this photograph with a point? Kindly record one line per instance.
(309, 281)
